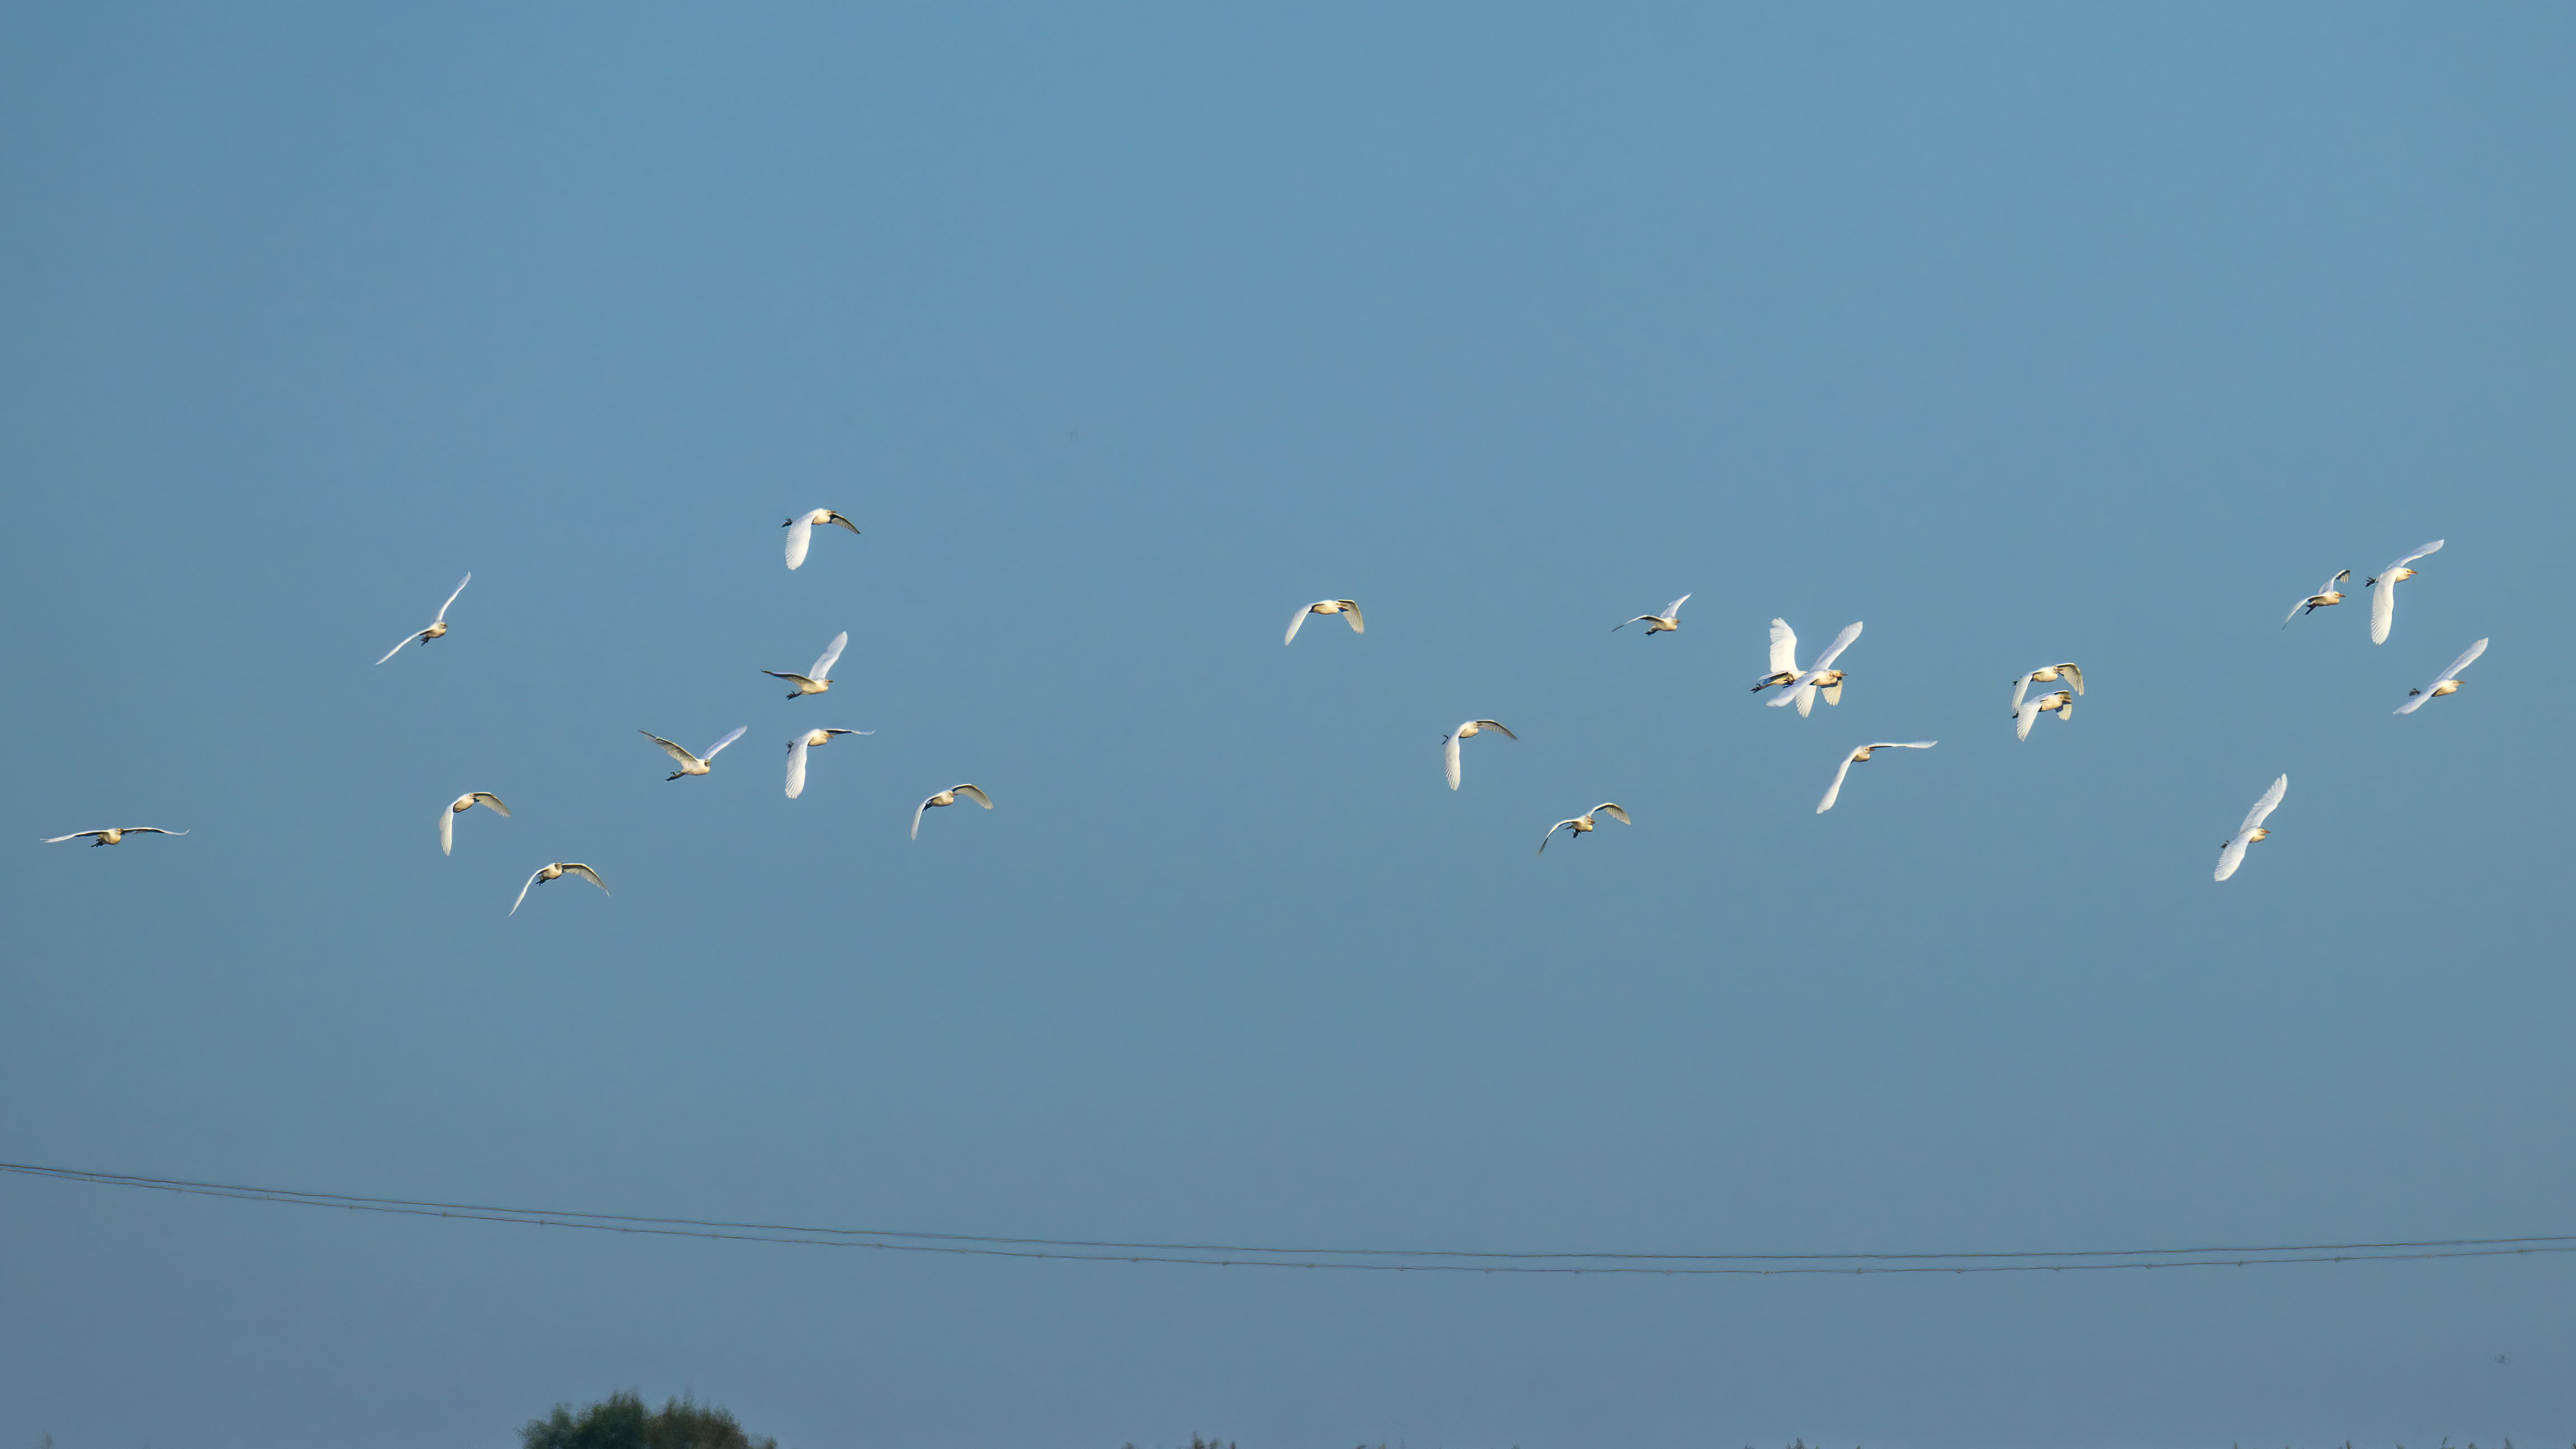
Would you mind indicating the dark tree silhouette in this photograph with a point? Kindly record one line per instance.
(621, 1421)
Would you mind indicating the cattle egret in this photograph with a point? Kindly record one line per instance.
(2051, 673)
(437, 627)
(690, 764)
(948, 797)
(458, 806)
(2326, 597)
(1663, 623)
(1821, 677)
(1581, 824)
(2383, 591)
(1784, 666)
(815, 681)
(114, 834)
(796, 749)
(1297, 620)
(2447, 682)
(1469, 730)
(2026, 712)
(1861, 756)
(800, 532)
(558, 871)
(2232, 853)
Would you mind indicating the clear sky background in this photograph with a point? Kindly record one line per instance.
(2022, 333)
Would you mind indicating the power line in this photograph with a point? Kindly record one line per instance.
(1426, 1260)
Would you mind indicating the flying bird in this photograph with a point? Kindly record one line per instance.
(796, 749)
(1297, 620)
(2448, 682)
(458, 806)
(1861, 756)
(948, 797)
(1581, 824)
(2232, 853)
(816, 682)
(1466, 731)
(437, 627)
(2383, 591)
(558, 871)
(114, 834)
(800, 532)
(1821, 677)
(689, 763)
(2325, 597)
(2051, 673)
(1784, 666)
(1663, 623)
(2026, 712)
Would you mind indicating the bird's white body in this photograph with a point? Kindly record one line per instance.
(818, 679)
(1820, 677)
(1345, 607)
(1663, 623)
(692, 764)
(948, 797)
(796, 749)
(557, 871)
(458, 806)
(1861, 755)
(2383, 591)
(2232, 853)
(114, 834)
(437, 627)
(2326, 597)
(1582, 824)
(2447, 682)
(800, 532)
(1466, 731)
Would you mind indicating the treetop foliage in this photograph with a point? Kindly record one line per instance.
(621, 1421)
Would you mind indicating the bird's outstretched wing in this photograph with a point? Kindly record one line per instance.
(2270, 802)
(1806, 694)
(523, 889)
(918, 811)
(2074, 676)
(831, 656)
(2434, 547)
(1833, 693)
(1834, 791)
(668, 748)
(1784, 647)
(2065, 708)
(1842, 641)
(845, 523)
(2230, 856)
(486, 797)
(1615, 628)
(441, 616)
(2383, 607)
(1451, 756)
(1616, 811)
(1673, 610)
(1296, 622)
(75, 835)
(1497, 727)
(1551, 835)
(978, 792)
(1358, 624)
(796, 767)
(398, 648)
(718, 747)
(800, 537)
(2021, 687)
(574, 867)
(446, 831)
(151, 830)
(2024, 713)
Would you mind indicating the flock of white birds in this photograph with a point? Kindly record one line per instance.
(1799, 689)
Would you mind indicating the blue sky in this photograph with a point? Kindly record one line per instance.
(2022, 333)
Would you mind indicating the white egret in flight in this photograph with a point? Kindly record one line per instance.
(1663, 623)
(690, 764)
(816, 681)
(458, 806)
(1784, 666)
(114, 834)
(1466, 731)
(2026, 712)
(948, 797)
(2448, 682)
(2232, 853)
(800, 532)
(437, 627)
(558, 871)
(2326, 597)
(1821, 677)
(1581, 824)
(1297, 620)
(2383, 591)
(1861, 756)
(796, 749)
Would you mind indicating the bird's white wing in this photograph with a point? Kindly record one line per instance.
(2230, 856)
(1352, 610)
(1784, 647)
(1614, 811)
(796, 768)
(918, 811)
(2434, 547)
(2270, 802)
(487, 798)
(831, 656)
(151, 830)
(2383, 608)
(1806, 699)
(1451, 754)
(2021, 687)
(1842, 641)
(2023, 714)
(843, 522)
(2295, 608)
(576, 868)
(523, 890)
(2467, 657)
(2065, 710)
(1296, 622)
(1551, 835)
(978, 792)
(442, 609)
(1802, 693)
(1904, 744)
(1834, 791)
(75, 835)
(398, 648)
(1673, 610)
(446, 831)
(2074, 676)
(718, 747)
(2413, 703)
(800, 537)
(668, 748)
